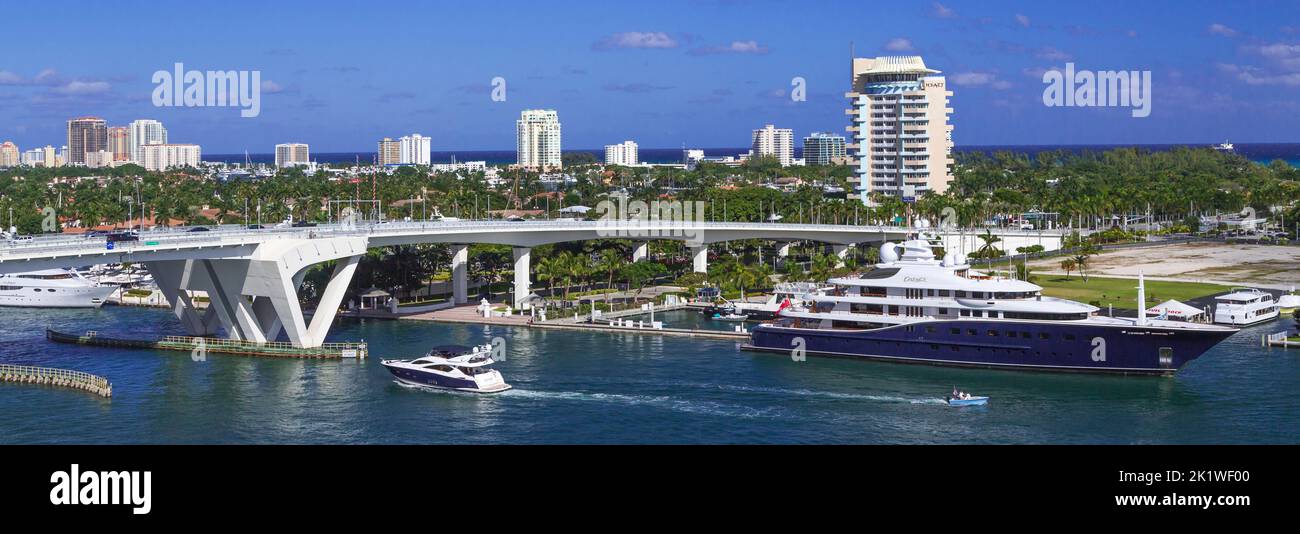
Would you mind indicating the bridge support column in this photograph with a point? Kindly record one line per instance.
(254, 298)
(522, 289)
(701, 258)
(841, 252)
(172, 276)
(459, 274)
(641, 251)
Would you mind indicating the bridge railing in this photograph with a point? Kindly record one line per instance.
(239, 234)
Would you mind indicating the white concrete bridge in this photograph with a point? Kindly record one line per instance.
(252, 276)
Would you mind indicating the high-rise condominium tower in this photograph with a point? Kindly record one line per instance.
(621, 154)
(415, 150)
(823, 149)
(144, 132)
(292, 154)
(772, 141)
(390, 152)
(901, 140)
(538, 139)
(118, 143)
(86, 134)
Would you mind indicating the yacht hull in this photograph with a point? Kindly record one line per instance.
(61, 297)
(1018, 345)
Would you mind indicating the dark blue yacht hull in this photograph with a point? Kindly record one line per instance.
(1023, 345)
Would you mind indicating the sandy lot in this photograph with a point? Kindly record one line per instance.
(1257, 264)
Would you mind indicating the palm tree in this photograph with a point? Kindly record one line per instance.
(610, 262)
(1067, 265)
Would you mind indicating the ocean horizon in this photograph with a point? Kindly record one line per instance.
(1259, 152)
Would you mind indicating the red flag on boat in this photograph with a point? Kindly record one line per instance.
(784, 304)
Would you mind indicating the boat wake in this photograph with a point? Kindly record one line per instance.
(818, 394)
(694, 406)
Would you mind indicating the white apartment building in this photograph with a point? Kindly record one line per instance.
(538, 133)
(163, 157)
(901, 141)
(143, 132)
(470, 166)
(415, 150)
(772, 141)
(621, 154)
(33, 158)
(292, 155)
(100, 158)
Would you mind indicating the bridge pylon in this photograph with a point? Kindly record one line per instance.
(254, 298)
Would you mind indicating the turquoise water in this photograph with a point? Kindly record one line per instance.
(589, 387)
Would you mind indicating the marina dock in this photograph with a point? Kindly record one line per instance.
(205, 345)
(25, 374)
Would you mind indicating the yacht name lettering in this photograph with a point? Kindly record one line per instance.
(914, 279)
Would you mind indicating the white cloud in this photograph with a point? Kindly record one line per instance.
(1022, 20)
(83, 88)
(1052, 54)
(270, 87)
(979, 79)
(899, 44)
(943, 12)
(1219, 29)
(736, 47)
(636, 40)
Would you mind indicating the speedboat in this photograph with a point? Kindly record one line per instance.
(1245, 306)
(734, 317)
(965, 399)
(454, 367)
(52, 288)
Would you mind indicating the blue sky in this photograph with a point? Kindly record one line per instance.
(340, 75)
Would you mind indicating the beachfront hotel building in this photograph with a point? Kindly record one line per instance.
(621, 154)
(86, 134)
(901, 141)
(538, 133)
(144, 132)
(772, 141)
(823, 148)
(9, 155)
(414, 149)
(292, 155)
(163, 157)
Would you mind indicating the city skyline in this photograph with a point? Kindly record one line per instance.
(665, 80)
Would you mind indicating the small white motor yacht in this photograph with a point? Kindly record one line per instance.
(52, 288)
(1245, 306)
(454, 367)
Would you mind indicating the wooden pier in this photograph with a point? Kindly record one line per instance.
(24, 374)
(207, 345)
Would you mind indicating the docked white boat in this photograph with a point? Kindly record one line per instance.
(452, 367)
(1289, 302)
(783, 295)
(52, 288)
(1245, 306)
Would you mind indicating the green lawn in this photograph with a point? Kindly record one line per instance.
(1122, 292)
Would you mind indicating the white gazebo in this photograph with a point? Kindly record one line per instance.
(1174, 309)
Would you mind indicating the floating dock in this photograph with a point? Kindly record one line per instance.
(24, 374)
(207, 345)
